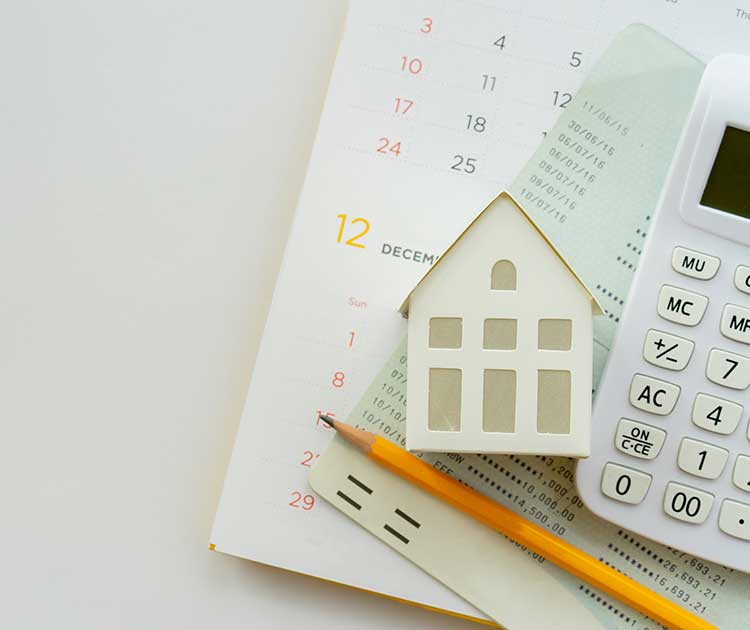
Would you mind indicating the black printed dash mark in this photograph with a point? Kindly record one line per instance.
(408, 518)
(349, 500)
(359, 484)
(401, 537)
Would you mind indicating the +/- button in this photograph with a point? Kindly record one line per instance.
(667, 351)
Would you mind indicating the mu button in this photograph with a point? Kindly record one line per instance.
(653, 395)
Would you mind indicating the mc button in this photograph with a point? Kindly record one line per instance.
(681, 306)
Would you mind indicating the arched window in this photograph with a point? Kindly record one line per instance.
(503, 276)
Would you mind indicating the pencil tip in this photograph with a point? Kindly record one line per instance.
(328, 420)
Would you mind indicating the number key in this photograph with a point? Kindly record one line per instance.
(687, 504)
(741, 475)
(728, 369)
(701, 459)
(625, 484)
(716, 414)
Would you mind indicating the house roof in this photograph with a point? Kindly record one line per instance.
(597, 308)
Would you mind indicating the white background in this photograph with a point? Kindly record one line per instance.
(151, 153)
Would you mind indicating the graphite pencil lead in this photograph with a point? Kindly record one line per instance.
(328, 420)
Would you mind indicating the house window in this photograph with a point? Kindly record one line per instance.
(499, 401)
(500, 334)
(444, 406)
(445, 332)
(503, 276)
(553, 401)
(555, 334)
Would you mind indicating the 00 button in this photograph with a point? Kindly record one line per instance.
(687, 504)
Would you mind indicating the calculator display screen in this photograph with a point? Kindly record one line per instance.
(728, 186)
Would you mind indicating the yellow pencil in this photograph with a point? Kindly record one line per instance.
(532, 536)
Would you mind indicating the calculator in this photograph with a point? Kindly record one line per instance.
(670, 434)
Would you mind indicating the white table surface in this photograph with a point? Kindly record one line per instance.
(151, 152)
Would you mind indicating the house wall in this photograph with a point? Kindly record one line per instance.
(460, 287)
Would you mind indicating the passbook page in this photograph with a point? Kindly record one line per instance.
(518, 589)
(432, 109)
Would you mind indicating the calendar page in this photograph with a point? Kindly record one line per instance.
(432, 109)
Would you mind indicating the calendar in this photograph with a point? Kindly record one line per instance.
(433, 107)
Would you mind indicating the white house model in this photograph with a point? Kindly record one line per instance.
(500, 344)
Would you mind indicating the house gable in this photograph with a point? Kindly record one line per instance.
(489, 232)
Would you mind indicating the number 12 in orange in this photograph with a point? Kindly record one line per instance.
(352, 240)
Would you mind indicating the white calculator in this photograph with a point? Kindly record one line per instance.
(671, 439)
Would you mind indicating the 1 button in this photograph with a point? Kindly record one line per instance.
(625, 484)
(742, 278)
(716, 414)
(680, 306)
(741, 474)
(687, 504)
(701, 459)
(667, 351)
(694, 264)
(735, 323)
(638, 439)
(734, 519)
(653, 395)
(728, 369)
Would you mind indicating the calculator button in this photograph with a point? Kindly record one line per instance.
(680, 306)
(638, 439)
(653, 395)
(742, 278)
(701, 459)
(667, 351)
(694, 264)
(687, 504)
(735, 323)
(716, 414)
(728, 369)
(741, 474)
(734, 519)
(625, 484)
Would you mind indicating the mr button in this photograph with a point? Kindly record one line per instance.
(639, 440)
(653, 395)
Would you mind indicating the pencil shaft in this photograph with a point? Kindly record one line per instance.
(537, 539)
